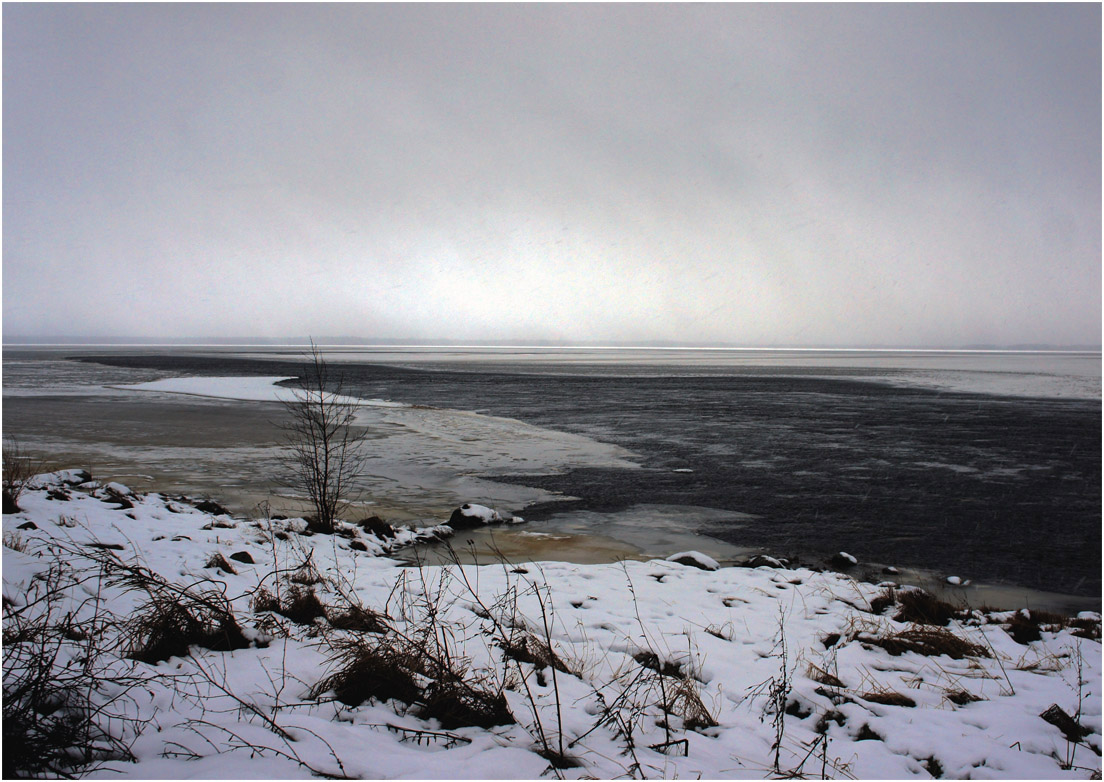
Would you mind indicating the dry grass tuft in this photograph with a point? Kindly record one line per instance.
(887, 598)
(1028, 625)
(392, 667)
(649, 659)
(823, 677)
(368, 669)
(299, 604)
(528, 648)
(15, 542)
(170, 623)
(17, 468)
(358, 619)
(457, 703)
(888, 698)
(684, 700)
(174, 618)
(928, 641)
(1086, 628)
(922, 607)
(307, 573)
(961, 697)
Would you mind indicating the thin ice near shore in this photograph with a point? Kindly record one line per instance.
(654, 669)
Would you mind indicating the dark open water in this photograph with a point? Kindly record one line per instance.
(1000, 489)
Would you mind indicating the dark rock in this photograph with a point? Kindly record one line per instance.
(866, 733)
(107, 546)
(212, 507)
(27, 525)
(378, 527)
(835, 716)
(356, 545)
(1071, 728)
(242, 556)
(10, 505)
(796, 708)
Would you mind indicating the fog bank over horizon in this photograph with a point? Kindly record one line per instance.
(346, 342)
(914, 176)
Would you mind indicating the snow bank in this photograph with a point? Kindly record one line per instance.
(636, 668)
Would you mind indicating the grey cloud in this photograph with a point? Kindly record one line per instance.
(769, 174)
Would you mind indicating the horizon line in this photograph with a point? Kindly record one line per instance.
(350, 343)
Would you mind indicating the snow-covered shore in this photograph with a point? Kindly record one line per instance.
(501, 670)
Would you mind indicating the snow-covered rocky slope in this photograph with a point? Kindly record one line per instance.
(163, 640)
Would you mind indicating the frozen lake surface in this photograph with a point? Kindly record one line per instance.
(895, 457)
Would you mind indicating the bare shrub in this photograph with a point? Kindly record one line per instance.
(66, 706)
(1086, 627)
(326, 447)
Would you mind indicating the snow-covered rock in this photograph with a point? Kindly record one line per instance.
(118, 489)
(470, 515)
(694, 559)
(763, 560)
(843, 560)
(61, 478)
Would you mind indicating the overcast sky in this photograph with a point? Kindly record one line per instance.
(768, 175)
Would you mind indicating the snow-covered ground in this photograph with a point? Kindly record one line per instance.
(500, 670)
